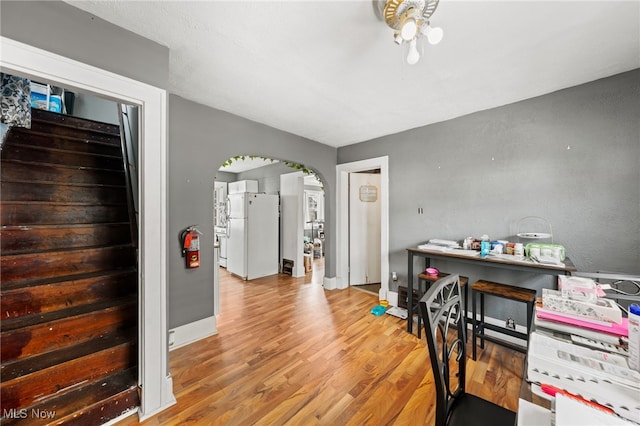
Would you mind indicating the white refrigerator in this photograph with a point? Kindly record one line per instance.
(253, 231)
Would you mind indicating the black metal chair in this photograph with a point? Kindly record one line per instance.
(445, 328)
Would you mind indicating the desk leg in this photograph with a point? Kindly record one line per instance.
(410, 293)
(473, 324)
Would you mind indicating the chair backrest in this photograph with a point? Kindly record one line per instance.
(442, 313)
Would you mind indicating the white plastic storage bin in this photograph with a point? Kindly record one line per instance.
(243, 186)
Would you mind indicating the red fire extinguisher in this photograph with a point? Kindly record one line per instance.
(191, 246)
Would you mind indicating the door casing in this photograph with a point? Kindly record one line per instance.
(342, 219)
(28, 61)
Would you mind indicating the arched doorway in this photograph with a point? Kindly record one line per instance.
(301, 226)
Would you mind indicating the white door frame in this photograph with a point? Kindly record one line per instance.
(28, 61)
(342, 219)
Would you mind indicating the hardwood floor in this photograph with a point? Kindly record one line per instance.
(290, 352)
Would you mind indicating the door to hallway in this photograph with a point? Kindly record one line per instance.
(364, 228)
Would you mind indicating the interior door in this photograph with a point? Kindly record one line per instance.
(364, 228)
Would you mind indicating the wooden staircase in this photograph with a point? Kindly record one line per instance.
(69, 286)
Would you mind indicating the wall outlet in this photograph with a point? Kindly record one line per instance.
(510, 323)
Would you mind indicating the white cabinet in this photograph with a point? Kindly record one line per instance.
(243, 186)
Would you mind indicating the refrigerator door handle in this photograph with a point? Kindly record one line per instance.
(228, 217)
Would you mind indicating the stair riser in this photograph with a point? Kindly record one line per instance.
(56, 193)
(48, 265)
(67, 143)
(28, 172)
(36, 339)
(60, 124)
(27, 240)
(61, 295)
(21, 213)
(65, 158)
(24, 391)
(90, 404)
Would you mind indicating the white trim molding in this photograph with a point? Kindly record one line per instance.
(192, 332)
(342, 219)
(330, 283)
(21, 59)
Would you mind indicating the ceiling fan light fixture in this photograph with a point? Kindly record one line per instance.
(434, 34)
(413, 57)
(410, 20)
(409, 29)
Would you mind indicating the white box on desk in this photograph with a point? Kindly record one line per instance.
(601, 310)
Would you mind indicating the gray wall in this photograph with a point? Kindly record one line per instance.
(95, 108)
(226, 176)
(200, 137)
(571, 157)
(268, 177)
(63, 29)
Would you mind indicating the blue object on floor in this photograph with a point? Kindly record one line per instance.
(378, 310)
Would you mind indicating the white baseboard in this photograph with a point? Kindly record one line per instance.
(330, 283)
(392, 298)
(192, 332)
(121, 417)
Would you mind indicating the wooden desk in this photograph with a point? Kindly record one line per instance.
(503, 262)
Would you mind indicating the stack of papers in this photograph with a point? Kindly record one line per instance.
(444, 243)
(595, 375)
(439, 245)
(570, 412)
(434, 247)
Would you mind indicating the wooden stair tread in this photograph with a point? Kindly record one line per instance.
(29, 213)
(42, 238)
(505, 290)
(30, 266)
(52, 296)
(6, 287)
(31, 154)
(65, 184)
(22, 171)
(73, 167)
(60, 151)
(22, 367)
(26, 390)
(39, 116)
(62, 226)
(112, 143)
(75, 311)
(89, 399)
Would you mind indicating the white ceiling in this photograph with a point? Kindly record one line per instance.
(330, 71)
